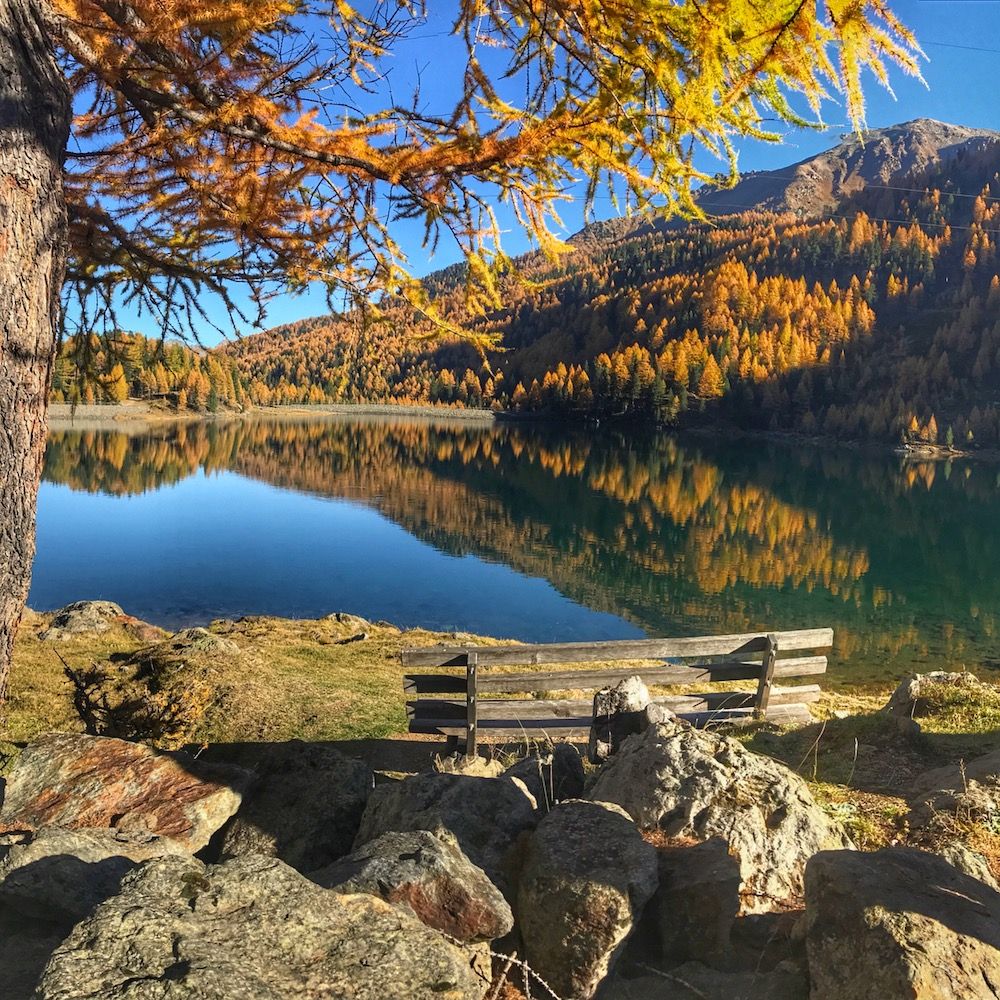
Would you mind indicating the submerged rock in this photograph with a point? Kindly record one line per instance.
(486, 815)
(428, 874)
(899, 923)
(61, 876)
(697, 784)
(586, 876)
(75, 781)
(251, 928)
(305, 807)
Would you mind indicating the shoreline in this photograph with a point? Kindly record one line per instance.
(137, 413)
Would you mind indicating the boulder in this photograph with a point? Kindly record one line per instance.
(899, 923)
(61, 876)
(622, 711)
(353, 623)
(429, 874)
(694, 980)
(252, 927)
(199, 640)
(697, 902)
(305, 807)
(697, 784)
(955, 777)
(910, 699)
(586, 876)
(83, 618)
(970, 791)
(971, 862)
(75, 781)
(476, 766)
(551, 775)
(486, 815)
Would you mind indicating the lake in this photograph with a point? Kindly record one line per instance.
(527, 531)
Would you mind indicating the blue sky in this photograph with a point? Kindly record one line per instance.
(960, 37)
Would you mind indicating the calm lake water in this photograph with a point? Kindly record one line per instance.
(529, 532)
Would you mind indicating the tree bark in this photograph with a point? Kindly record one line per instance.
(34, 129)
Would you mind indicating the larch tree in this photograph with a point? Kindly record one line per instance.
(155, 152)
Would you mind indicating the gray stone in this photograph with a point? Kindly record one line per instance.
(971, 862)
(486, 815)
(909, 701)
(429, 874)
(551, 775)
(955, 777)
(61, 876)
(698, 784)
(305, 807)
(83, 618)
(900, 923)
(586, 876)
(619, 712)
(199, 640)
(697, 902)
(251, 928)
(694, 981)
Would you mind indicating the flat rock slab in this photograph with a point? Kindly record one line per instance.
(428, 874)
(900, 923)
(74, 781)
(251, 929)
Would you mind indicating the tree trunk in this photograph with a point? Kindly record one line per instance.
(34, 129)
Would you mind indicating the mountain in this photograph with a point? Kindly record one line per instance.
(822, 183)
(857, 296)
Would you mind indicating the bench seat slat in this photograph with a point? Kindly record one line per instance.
(570, 680)
(578, 728)
(530, 708)
(636, 649)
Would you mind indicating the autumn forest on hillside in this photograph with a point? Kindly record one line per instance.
(877, 322)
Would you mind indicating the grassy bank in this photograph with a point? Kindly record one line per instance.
(340, 679)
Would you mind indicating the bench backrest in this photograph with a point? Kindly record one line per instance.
(752, 656)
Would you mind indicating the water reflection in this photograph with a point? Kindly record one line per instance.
(674, 537)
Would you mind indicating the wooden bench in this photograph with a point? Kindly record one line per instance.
(451, 704)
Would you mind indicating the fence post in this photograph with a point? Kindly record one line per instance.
(471, 702)
(766, 676)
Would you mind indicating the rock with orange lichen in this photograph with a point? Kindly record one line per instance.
(74, 781)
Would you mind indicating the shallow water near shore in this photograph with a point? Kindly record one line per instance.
(527, 531)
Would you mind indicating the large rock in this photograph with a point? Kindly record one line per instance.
(697, 902)
(900, 923)
(305, 807)
(429, 874)
(74, 781)
(61, 876)
(700, 982)
(83, 618)
(551, 775)
(955, 776)
(970, 791)
(486, 815)
(912, 697)
(251, 928)
(622, 711)
(697, 784)
(586, 876)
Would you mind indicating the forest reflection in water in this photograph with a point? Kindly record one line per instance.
(535, 532)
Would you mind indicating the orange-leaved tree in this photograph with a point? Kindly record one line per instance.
(155, 152)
